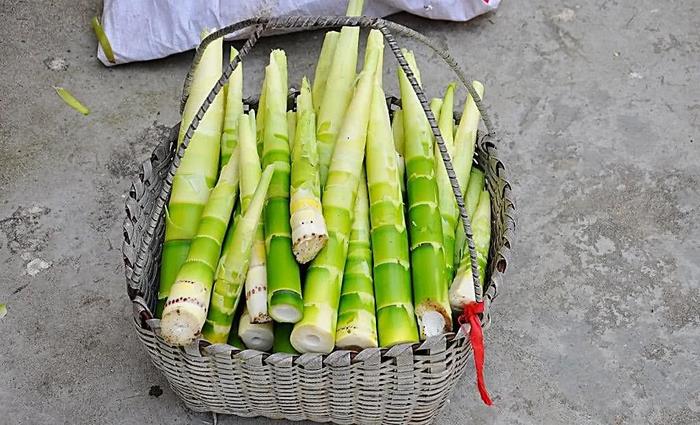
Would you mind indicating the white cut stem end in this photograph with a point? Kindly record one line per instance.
(309, 233)
(432, 323)
(256, 336)
(182, 323)
(285, 314)
(312, 339)
(462, 290)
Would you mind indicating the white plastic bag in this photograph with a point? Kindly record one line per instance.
(141, 30)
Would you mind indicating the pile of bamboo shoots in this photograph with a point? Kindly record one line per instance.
(329, 225)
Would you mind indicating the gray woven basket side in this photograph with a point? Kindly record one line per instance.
(502, 213)
(139, 221)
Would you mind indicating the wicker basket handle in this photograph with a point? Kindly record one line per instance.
(262, 24)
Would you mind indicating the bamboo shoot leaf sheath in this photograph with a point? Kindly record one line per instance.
(197, 172)
(284, 281)
(425, 225)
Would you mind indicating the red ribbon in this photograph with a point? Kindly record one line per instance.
(471, 315)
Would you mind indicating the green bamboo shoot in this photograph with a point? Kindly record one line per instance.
(357, 323)
(309, 232)
(464, 143)
(197, 172)
(448, 204)
(462, 289)
(283, 278)
(186, 308)
(465, 138)
(256, 336)
(256, 279)
(396, 323)
(425, 223)
(231, 275)
(316, 331)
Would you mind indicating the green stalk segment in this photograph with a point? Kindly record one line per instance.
(396, 321)
(309, 232)
(425, 224)
(316, 331)
(448, 203)
(257, 336)
(283, 279)
(186, 308)
(232, 273)
(281, 342)
(234, 109)
(465, 139)
(256, 279)
(338, 91)
(471, 200)
(357, 323)
(197, 172)
(462, 289)
(323, 67)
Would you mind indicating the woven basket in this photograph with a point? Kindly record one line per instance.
(403, 384)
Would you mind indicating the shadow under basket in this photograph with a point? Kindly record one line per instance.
(403, 384)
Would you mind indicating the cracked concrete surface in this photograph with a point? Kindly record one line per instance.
(598, 103)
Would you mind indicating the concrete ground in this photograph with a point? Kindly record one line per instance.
(598, 104)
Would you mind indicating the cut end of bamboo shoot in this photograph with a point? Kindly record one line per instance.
(285, 314)
(309, 233)
(432, 320)
(431, 323)
(255, 336)
(286, 307)
(308, 338)
(462, 289)
(182, 322)
(258, 336)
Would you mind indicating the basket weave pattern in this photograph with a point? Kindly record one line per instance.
(403, 384)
